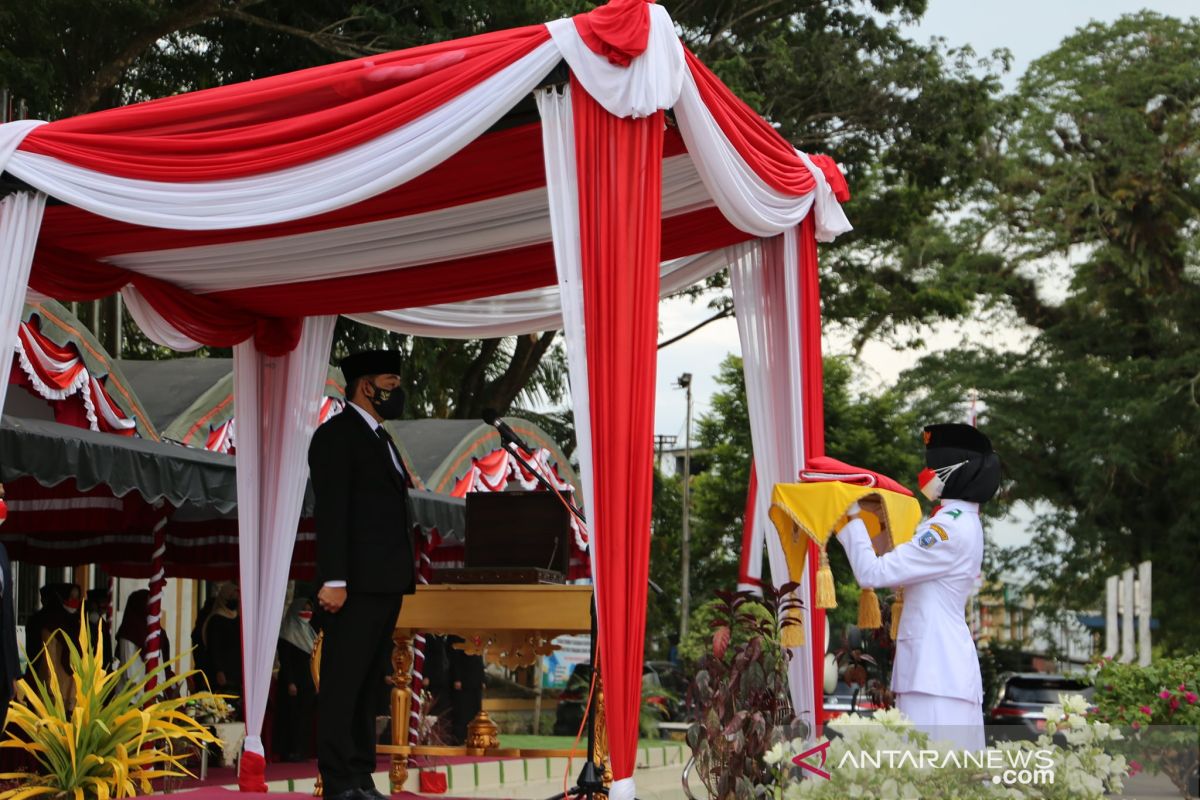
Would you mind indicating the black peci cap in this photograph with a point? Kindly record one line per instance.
(370, 362)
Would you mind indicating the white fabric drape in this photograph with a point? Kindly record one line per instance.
(766, 294)
(156, 327)
(11, 136)
(472, 229)
(829, 218)
(745, 199)
(20, 221)
(650, 82)
(562, 185)
(522, 312)
(276, 402)
(342, 179)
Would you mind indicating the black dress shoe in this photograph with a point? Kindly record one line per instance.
(349, 794)
(371, 793)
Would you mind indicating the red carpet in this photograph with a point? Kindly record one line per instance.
(219, 793)
(280, 771)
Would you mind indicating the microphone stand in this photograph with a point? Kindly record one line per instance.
(590, 783)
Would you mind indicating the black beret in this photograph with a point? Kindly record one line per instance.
(370, 362)
(957, 435)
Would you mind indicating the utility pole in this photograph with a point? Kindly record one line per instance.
(685, 383)
(662, 440)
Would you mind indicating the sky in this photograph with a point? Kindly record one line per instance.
(1028, 29)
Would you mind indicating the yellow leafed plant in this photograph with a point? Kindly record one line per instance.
(120, 736)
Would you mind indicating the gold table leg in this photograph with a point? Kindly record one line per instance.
(401, 680)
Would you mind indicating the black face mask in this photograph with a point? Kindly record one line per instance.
(231, 603)
(388, 403)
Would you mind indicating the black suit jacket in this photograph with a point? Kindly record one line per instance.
(10, 660)
(361, 509)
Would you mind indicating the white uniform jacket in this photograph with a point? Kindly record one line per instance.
(938, 567)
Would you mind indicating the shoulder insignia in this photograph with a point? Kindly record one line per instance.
(927, 539)
(955, 514)
(940, 531)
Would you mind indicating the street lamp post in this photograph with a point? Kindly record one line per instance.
(685, 382)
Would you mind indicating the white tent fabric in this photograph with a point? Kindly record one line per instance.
(157, 329)
(276, 402)
(348, 177)
(651, 82)
(766, 295)
(558, 145)
(522, 312)
(473, 229)
(743, 197)
(20, 221)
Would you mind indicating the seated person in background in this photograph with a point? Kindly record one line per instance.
(222, 638)
(199, 652)
(47, 634)
(296, 697)
(131, 638)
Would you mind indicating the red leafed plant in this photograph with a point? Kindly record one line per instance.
(738, 701)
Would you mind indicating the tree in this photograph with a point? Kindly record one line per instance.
(460, 378)
(1095, 193)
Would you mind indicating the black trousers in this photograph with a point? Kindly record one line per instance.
(355, 659)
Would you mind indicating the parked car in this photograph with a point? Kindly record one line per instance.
(1018, 711)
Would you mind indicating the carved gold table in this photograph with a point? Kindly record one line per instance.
(510, 625)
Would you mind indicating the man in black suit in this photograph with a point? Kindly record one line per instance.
(10, 662)
(365, 563)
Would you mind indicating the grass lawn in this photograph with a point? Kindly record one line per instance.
(562, 742)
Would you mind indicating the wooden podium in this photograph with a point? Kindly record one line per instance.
(511, 625)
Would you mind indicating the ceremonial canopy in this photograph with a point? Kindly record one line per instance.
(555, 176)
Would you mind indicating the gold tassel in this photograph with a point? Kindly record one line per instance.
(897, 609)
(792, 634)
(826, 594)
(869, 617)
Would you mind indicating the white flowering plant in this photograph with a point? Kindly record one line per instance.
(1074, 765)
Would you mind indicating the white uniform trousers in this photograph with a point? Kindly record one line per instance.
(949, 719)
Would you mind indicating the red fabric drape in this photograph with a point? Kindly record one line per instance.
(617, 30)
(278, 122)
(837, 181)
(619, 164)
(748, 549)
(202, 318)
(813, 375)
(761, 146)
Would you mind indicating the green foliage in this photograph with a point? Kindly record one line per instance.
(1098, 418)
(738, 699)
(699, 641)
(1159, 707)
(119, 736)
(1163, 693)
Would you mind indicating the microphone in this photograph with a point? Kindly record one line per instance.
(506, 433)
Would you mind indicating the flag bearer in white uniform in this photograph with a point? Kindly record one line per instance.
(936, 672)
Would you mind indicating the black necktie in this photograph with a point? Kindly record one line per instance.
(393, 451)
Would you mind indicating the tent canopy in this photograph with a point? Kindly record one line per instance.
(390, 188)
(170, 387)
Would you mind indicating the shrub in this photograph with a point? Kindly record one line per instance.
(120, 735)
